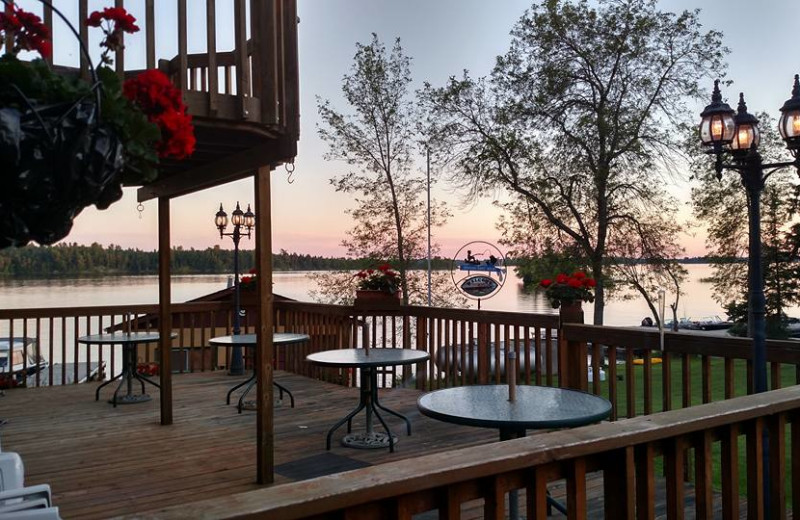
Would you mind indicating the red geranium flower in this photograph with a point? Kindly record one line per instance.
(381, 279)
(568, 288)
(161, 102)
(30, 34)
(118, 22)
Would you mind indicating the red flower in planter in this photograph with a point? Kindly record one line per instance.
(568, 288)
(381, 279)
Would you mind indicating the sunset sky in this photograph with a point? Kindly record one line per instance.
(442, 37)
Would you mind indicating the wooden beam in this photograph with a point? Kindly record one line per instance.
(219, 172)
(150, 33)
(264, 352)
(165, 310)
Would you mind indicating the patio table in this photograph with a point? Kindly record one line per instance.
(128, 340)
(249, 341)
(535, 407)
(367, 361)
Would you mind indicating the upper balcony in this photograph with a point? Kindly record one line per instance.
(240, 83)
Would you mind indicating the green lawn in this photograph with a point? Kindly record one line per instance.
(788, 374)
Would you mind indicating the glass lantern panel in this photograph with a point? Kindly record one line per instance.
(717, 128)
(789, 124)
(746, 136)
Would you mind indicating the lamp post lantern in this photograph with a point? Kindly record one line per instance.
(241, 220)
(736, 134)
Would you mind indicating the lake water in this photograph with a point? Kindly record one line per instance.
(120, 290)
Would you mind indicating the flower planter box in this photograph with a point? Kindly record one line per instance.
(376, 300)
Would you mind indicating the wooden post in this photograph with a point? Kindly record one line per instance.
(265, 455)
(571, 354)
(483, 353)
(165, 311)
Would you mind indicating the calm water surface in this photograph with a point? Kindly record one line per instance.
(120, 290)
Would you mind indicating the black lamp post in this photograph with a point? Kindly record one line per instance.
(240, 220)
(736, 134)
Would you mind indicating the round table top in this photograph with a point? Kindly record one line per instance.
(120, 337)
(358, 357)
(249, 340)
(535, 407)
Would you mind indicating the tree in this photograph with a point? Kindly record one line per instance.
(377, 137)
(722, 205)
(579, 118)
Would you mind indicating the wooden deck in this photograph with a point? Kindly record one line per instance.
(102, 461)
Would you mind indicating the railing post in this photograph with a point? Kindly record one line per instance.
(572, 360)
(483, 353)
(421, 344)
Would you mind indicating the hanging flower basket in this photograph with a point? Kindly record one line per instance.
(66, 144)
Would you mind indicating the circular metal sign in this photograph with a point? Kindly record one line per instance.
(478, 270)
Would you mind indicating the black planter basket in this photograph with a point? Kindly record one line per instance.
(56, 160)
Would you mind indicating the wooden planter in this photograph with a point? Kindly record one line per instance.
(376, 300)
(571, 312)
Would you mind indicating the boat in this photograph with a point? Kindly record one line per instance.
(471, 264)
(708, 323)
(22, 366)
(19, 360)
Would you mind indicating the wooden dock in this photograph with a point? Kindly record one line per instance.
(102, 461)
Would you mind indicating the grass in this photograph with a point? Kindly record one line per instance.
(694, 396)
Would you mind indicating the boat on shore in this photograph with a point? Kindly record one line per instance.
(708, 323)
(22, 365)
(19, 359)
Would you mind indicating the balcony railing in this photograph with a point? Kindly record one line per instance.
(466, 347)
(626, 453)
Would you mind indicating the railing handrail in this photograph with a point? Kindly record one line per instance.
(451, 313)
(408, 477)
(146, 308)
(778, 351)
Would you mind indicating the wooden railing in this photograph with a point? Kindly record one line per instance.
(461, 343)
(56, 331)
(641, 378)
(256, 80)
(626, 453)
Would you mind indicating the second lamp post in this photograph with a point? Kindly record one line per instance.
(243, 223)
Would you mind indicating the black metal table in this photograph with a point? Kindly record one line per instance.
(367, 361)
(249, 341)
(535, 407)
(128, 341)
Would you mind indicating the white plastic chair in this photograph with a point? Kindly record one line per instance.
(50, 513)
(37, 503)
(12, 471)
(26, 494)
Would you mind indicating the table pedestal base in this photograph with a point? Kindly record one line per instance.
(368, 401)
(367, 441)
(251, 405)
(126, 377)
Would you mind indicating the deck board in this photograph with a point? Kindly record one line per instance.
(102, 461)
